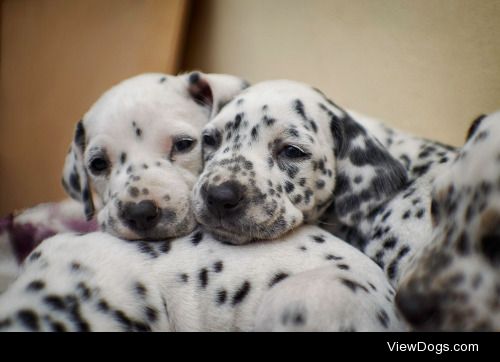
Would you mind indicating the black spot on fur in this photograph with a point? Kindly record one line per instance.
(74, 181)
(352, 285)
(277, 278)
(342, 185)
(145, 248)
(386, 215)
(103, 306)
(314, 126)
(196, 238)
(35, 255)
(56, 326)
(241, 293)
(28, 319)
(289, 187)
(203, 278)
(165, 247)
(320, 184)
(383, 318)
(390, 243)
(218, 266)
(318, 238)
(84, 290)
(268, 121)
(55, 302)
(255, 132)
(221, 296)
(133, 191)
(35, 286)
(299, 108)
(420, 213)
(393, 266)
(128, 324)
(151, 314)
(140, 289)
(421, 170)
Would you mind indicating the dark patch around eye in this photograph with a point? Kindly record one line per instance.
(490, 246)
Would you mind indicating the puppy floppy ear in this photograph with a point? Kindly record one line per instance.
(367, 176)
(75, 179)
(214, 91)
(474, 126)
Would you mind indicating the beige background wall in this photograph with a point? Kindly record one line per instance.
(428, 66)
(57, 57)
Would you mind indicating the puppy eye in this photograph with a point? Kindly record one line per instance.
(98, 165)
(183, 145)
(209, 140)
(292, 152)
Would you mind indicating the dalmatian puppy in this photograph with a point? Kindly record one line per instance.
(97, 282)
(281, 155)
(136, 153)
(454, 283)
(274, 155)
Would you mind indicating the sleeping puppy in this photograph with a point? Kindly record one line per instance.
(136, 153)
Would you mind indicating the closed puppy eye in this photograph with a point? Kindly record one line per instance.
(211, 139)
(292, 152)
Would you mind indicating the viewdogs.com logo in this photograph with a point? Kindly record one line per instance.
(437, 348)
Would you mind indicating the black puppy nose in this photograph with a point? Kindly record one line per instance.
(225, 198)
(417, 308)
(141, 216)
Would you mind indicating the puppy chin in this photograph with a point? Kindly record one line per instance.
(228, 237)
(122, 233)
(186, 226)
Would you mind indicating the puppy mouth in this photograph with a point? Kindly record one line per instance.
(133, 235)
(242, 232)
(169, 226)
(228, 237)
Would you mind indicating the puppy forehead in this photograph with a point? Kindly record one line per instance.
(150, 99)
(276, 99)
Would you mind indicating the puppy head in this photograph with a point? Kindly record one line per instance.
(454, 283)
(279, 155)
(137, 153)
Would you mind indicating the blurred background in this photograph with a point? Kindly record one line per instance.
(426, 66)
